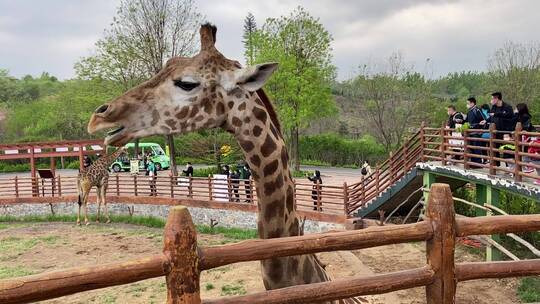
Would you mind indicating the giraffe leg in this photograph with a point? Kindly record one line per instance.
(103, 193)
(85, 202)
(98, 201)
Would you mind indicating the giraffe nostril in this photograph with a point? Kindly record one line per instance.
(102, 109)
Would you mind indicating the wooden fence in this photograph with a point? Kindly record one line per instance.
(182, 261)
(442, 145)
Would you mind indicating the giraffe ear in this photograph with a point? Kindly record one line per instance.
(254, 77)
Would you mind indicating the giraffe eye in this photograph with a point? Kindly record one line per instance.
(186, 85)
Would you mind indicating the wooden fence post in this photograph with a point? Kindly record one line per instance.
(363, 192)
(517, 156)
(443, 144)
(210, 187)
(391, 166)
(117, 185)
(59, 186)
(345, 199)
(440, 248)
(466, 143)
(377, 179)
(190, 187)
(405, 158)
(172, 184)
(492, 167)
(135, 184)
(229, 188)
(16, 186)
(180, 247)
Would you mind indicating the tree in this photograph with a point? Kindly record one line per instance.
(391, 99)
(250, 27)
(301, 85)
(514, 70)
(142, 37)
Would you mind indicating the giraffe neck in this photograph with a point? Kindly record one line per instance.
(265, 151)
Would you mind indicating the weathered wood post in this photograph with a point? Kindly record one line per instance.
(440, 248)
(517, 157)
(180, 247)
(443, 144)
(210, 196)
(171, 181)
(59, 185)
(466, 156)
(422, 142)
(345, 199)
(16, 186)
(319, 203)
(492, 167)
(117, 185)
(135, 184)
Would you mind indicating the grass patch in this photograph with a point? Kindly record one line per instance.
(209, 286)
(11, 272)
(529, 289)
(146, 221)
(234, 289)
(3, 226)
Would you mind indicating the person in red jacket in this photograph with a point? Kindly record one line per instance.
(535, 149)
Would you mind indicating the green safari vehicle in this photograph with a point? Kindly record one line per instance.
(157, 155)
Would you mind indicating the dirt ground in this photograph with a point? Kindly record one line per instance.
(35, 248)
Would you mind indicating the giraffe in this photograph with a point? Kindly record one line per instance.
(211, 91)
(97, 174)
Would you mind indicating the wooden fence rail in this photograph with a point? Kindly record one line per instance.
(182, 260)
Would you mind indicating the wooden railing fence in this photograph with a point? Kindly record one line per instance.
(183, 260)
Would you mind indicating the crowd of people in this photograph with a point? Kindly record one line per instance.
(505, 119)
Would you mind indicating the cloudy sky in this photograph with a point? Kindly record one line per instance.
(38, 36)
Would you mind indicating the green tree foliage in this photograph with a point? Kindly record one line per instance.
(250, 27)
(336, 150)
(301, 85)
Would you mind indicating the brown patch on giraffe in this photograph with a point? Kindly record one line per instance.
(220, 108)
(199, 118)
(247, 119)
(236, 121)
(276, 272)
(220, 94)
(255, 160)
(194, 111)
(294, 230)
(171, 123)
(284, 157)
(167, 113)
(257, 131)
(308, 270)
(183, 113)
(270, 168)
(155, 118)
(207, 105)
(246, 132)
(259, 102)
(274, 209)
(246, 145)
(289, 199)
(242, 106)
(260, 114)
(270, 187)
(230, 104)
(268, 146)
(294, 266)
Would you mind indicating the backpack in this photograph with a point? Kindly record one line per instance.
(364, 171)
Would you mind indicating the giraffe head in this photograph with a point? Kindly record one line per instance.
(186, 95)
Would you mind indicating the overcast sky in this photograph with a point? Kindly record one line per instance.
(52, 35)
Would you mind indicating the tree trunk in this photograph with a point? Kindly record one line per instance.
(172, 154)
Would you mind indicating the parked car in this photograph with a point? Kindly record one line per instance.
(157, 155)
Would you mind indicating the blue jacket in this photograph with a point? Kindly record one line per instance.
(474, 117)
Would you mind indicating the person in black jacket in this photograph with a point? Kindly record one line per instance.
(317, 182)
(454, 117)
(501, 115)
(476, 121)
(189, 170)
(523, 117)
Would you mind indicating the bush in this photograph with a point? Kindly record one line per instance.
(338, 151)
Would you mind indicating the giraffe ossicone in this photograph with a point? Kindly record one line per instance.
(211, 91)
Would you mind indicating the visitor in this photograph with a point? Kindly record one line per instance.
(189, 170)
(151, 171)
(534, 149)
(524, 117)
(485, 113)
(86, 161)
(501, 114)
(455, 120)
(245, 174)
(508, 146)
(317, 182)
(366, 169)
(476, 121)
(235, 181)
(225, 170)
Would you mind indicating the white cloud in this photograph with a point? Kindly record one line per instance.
(38, 36)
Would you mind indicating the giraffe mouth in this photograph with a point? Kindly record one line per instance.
(117, 137)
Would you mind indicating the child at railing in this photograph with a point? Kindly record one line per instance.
(508, 147)
(536, 151)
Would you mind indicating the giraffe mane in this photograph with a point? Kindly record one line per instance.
(270, 109)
